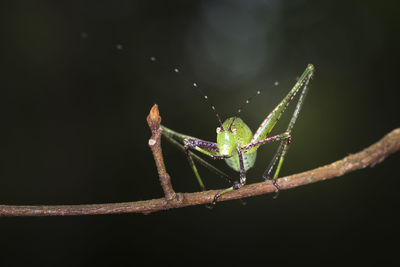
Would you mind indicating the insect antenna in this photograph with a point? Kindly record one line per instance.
(195, 85)
(212, 106)
(241, 108)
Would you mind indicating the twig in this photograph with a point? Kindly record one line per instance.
(154, 120)
(370, 156)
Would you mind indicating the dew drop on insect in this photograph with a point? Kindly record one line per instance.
(258, 92)
(176, 70)
(247, 101)
(119, 46)
(276, 83)
(153, 59)
(195, 84)
(205, 97)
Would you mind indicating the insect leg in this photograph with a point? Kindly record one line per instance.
(235, 185)
(278, 137)
(242, 182)
(284, 146)
(194, 168)
(269, 122)
(171, 136)
(279, 154)
(208, 148)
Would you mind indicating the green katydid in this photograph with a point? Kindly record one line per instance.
(236, 143)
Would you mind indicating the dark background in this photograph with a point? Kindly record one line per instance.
(77, 85)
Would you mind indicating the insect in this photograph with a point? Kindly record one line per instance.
(237, 145)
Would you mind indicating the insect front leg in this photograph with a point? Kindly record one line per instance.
(208, 148)
(191, 143)
(236, 185)
(285, 139)
(194, 157)
(242, 169)
(177, 139)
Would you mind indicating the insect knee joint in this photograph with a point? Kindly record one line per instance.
(288, 138)
(187, 143)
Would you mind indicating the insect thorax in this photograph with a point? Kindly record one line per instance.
(243, 137)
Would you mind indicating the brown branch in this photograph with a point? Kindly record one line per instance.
(370, 156)
(154, 121)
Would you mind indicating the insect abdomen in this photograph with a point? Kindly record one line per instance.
(249, 158)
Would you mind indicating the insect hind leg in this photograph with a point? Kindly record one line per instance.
(280, 154)
(284, 145)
